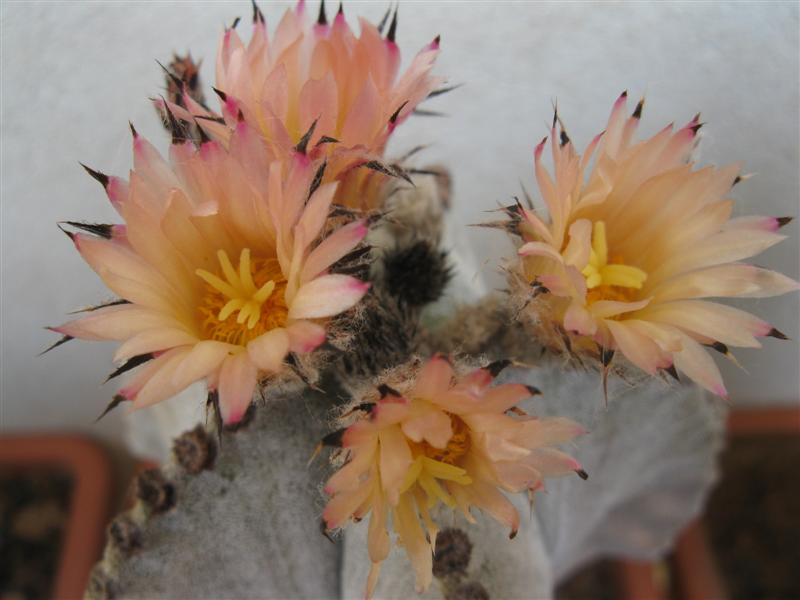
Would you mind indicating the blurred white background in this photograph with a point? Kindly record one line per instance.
(74, 73)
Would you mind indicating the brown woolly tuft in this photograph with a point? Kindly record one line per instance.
(470, 590)
(154, 491)
(194, 450)
(124, 534)
(453, 551)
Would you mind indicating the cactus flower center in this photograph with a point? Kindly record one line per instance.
(609, 280)
(457, 446)
(241, 304)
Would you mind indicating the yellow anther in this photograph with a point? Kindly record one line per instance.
(240, 289)
(598, 272)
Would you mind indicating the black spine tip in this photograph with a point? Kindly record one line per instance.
(326, 139)
(384, 390)
(564, 138)
(175, 79)
(606, 356)
(175, 128)
(637, 113)
(258, 16)
(102, 230)
(62, 340)
(131, 363)
(235, 22)
(341, 8)
(66, 232)
(533, 390)
(582, 474)
(737, 180)
(318, 176)
(777, 334)
(719, 347)
(437, 40)
(302, 145)
(334, 438)
(134, 133)
(97, 175)
(497, 367)
(624, 94)
(322, 19)
(203, 135)
(384, 19)
(782, 221)
(391, 34)
(222, 95)
(115, 402)
(396, 114)
(673, 372)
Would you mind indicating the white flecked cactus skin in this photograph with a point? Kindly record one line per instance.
(248, 524)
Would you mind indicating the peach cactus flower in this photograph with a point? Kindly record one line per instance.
(220, 268)
(637, 242)
(315, 83)
(445, 440)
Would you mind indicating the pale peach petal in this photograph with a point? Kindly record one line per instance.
(435, 377)
(342, 506)
(237, 383)
(159, 385)
(305, 336)
(395, 459)
(495, 503)
(604, 309)
(580, 320)
(413, 538)
(502, 398)
(432, 426)
(540, 249)
(580, 243)
(153, 340)
(204, 358)
(711, 320)
(697, 364)
(141, 375)
(730, 280)
(638, 348)
(535, 433)
(551, 462)
(316, 211)
(333, 248)
(378, 543)
(326, 296)
(114, 323)
(269, 350)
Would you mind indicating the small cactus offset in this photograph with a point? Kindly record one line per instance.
(281, 256)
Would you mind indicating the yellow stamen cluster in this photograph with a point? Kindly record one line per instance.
(603, 276)
(258, 298)
(432, 463)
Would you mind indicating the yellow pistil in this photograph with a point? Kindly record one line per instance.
(253, 296)
(603, 277)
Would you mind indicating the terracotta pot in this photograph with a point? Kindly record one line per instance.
(638, 580)
(89, 465)
(694, 570)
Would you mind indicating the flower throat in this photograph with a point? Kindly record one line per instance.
(243, 303)
(609, 280)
